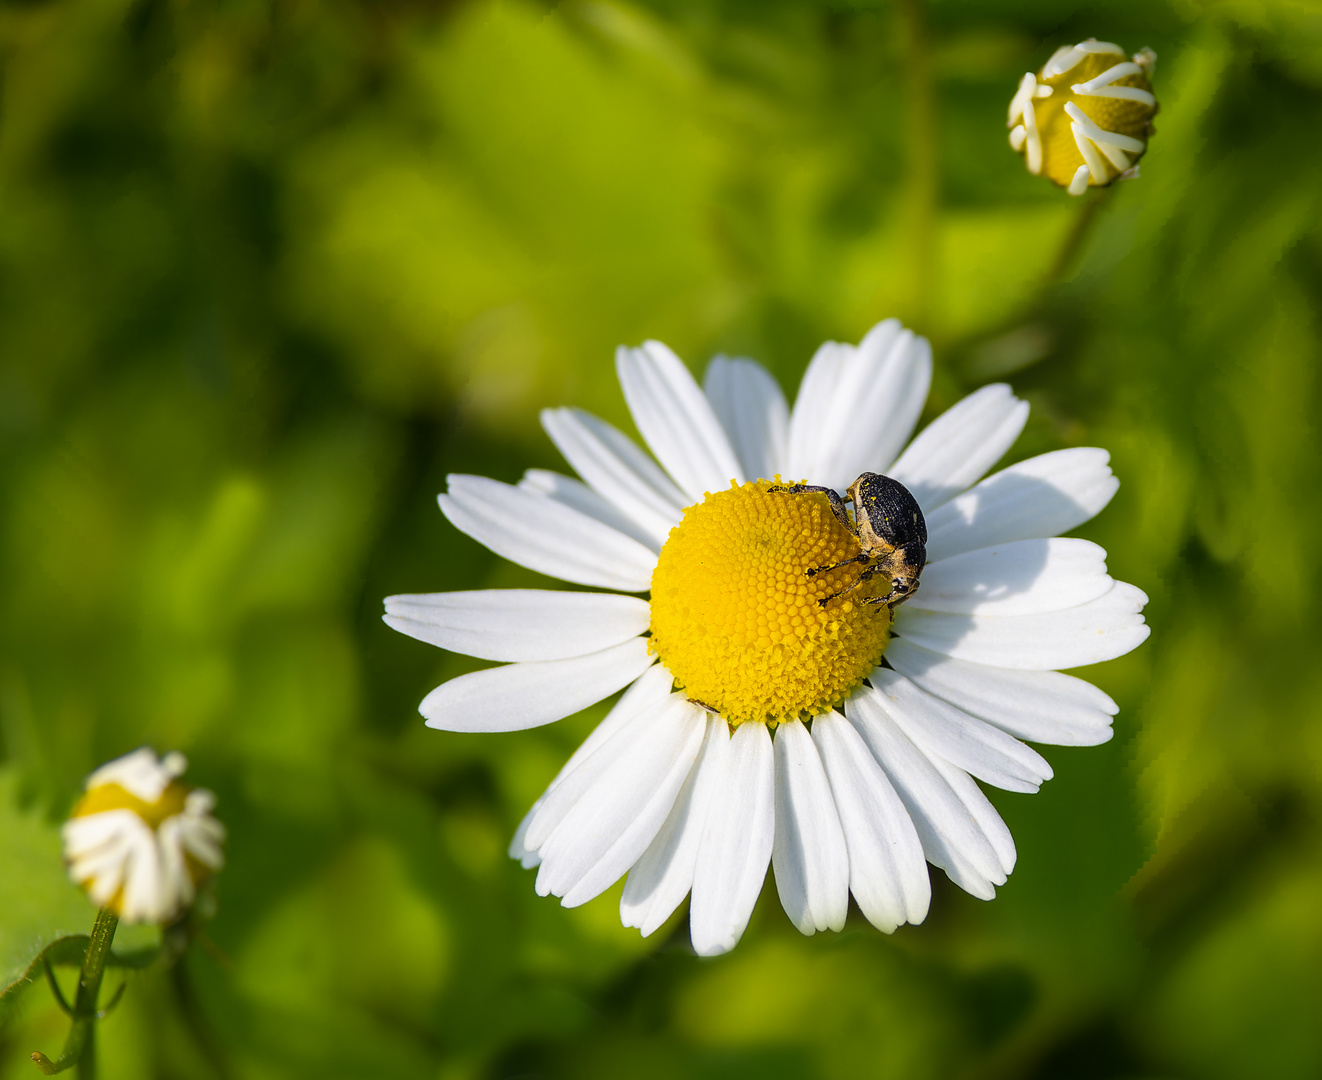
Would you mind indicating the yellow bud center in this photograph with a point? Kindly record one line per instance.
(1061, 156)
(113, 797)
(739, 624)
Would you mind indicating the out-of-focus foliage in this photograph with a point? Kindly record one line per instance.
(268, 271)
(38, 906)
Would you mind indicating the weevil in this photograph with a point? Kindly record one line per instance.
(890, 529)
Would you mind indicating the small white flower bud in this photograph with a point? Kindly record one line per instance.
(139, 842)
(1086, 117)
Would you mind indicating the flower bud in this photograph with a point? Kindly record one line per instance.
(140, 842)
(1085, 118)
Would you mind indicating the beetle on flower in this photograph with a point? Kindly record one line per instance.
(838, 742)
(891, 532)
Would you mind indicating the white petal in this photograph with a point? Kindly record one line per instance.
(811, 417)
(662, 877)
(616, 469)
(571, 787)
(736, 844)
(1043, 496)
(98, 848)
(619, 814)
(887, 870)
(94, 861)
(201, 838)
(105, 879)
(200, 802)
(103, 872)
(808, 859)
(956, 449)
(954, 836)
(1102, 629)
(92, 832)
(751, 407)
(519, 696)
(984, 815)
(177, 885)
(1024, 577)
(971, 744)
(1041, 706)
(673, 415)
(519, 624)
(649, 690)
(857, 407)
(139, 773)
(894, 388)
(578, 496)
(544, 535)
(518, 848)
(145, 898)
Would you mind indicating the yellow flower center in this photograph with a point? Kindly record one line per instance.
(738, 623)
(113, 797)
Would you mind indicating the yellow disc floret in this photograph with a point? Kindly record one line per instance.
(739, 624)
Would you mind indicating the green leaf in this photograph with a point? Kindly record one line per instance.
(41, 911)
(65, 951)
(38, 902)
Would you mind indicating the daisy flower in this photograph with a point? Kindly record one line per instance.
(140, 842)
(770, 715)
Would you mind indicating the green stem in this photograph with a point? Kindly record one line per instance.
(80, 1046)
(1080, 227)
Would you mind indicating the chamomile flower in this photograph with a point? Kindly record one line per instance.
(769, 715)
(139, 841)
(1085, 118)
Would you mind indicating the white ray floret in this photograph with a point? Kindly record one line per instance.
(1024, 131)
(750, 404)
(525, 695)
(809, 857)
(1104, 85)
(519, 624)
(1067, 57)
(1114, 146)
(663, 876)
(887, 870)
(736, 843)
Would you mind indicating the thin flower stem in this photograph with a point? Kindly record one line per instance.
(80, 1046)
(1074, 239)
(1036, 306)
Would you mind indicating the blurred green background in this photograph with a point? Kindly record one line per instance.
(269, 269)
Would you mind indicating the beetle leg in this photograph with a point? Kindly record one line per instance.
(833, 496)
(847, 589)
(867, 575)
(813, 571)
